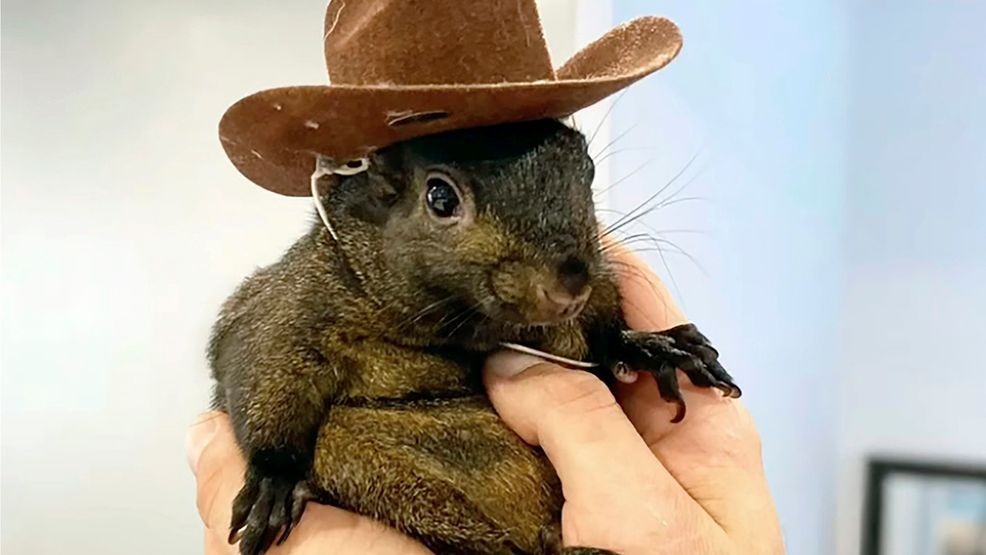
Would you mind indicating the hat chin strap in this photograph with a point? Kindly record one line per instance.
(322, 169)
(326, 166)
(548, 356)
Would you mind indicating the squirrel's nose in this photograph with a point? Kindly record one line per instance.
(573, 274)
(558, 305)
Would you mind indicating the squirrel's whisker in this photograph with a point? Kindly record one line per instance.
(613, 153)
(632, 173)
(623, 134)
(425, 311)
(464, 317)
(657, 195)
(609, 112)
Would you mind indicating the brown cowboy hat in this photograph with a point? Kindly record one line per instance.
(402, 69)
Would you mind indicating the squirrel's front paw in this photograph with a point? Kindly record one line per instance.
(662, 354)
(266, 510)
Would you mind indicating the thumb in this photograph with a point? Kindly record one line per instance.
(575, 419)
(525, 389)
(605, 467)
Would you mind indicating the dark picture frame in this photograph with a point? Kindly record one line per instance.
(880, 474)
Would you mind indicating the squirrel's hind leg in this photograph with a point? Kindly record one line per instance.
(448, 474)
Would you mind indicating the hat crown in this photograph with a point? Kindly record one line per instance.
(435, 42)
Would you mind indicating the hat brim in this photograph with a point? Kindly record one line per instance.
(273, 136)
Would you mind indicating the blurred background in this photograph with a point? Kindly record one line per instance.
(831, 239)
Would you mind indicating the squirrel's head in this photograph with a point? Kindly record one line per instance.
(488, 225)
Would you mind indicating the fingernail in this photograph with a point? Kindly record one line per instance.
(198, 438)
(508, 364)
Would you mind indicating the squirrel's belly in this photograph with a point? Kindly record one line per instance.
(447, 472)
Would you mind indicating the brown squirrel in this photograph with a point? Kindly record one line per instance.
(351, 367)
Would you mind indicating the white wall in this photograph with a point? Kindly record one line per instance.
(123, 228)
(912, 378)
(759, 93)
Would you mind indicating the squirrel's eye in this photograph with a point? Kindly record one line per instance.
(442, 197)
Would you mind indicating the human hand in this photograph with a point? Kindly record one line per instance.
(633, 482)
(218, 466)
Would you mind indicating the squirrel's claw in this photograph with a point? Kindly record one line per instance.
(662, 354)
(266, 510)
(300, 497)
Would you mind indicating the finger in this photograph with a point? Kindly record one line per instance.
(649, 308)
(575, 419)
(714, 424)
(198, 437)
(647, 304)
(218, 467)
(714, 453)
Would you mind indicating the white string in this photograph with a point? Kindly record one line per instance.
(548, 356)
(352, 167)
(323, 167)
(326, 166)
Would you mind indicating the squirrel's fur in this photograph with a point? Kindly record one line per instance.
(351, 368)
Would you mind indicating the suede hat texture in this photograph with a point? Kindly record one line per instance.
(401, 69)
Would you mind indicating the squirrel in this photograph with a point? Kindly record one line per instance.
(351, 367)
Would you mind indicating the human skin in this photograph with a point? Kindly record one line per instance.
(633, 481)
